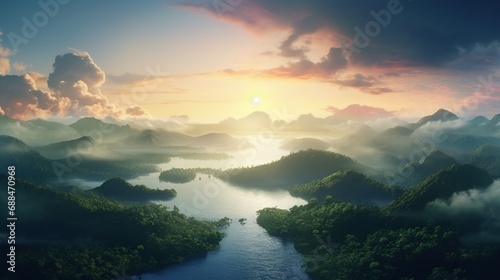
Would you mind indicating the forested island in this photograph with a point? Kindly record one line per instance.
(177, 175)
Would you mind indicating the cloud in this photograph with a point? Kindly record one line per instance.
(477, 210)
(4, 61)
(20, 97)
(4, 66)
(369, 84)
(179, 118)
(75, 90)
(136, 111)
(72, 68)
(304, 26)
(416, 35)
(357, 112)
(130, 79)
(328, 66)
(4, 52)
(18, 66)
(78, 79)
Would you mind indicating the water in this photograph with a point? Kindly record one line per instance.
(247, 251)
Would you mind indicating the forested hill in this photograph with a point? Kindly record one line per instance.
(441, 185)
(120, 189)
(347, 185)
(81, 235)
(296, 168)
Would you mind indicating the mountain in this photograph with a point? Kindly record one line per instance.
(220, 141)
(63, 149)
(397, 131)
(494, 123)
(346, 185)
(29, 164)
(394, 141)
(459, 143)
(441, 115)
(254, 122)
(147, 138)
(415, 172)
(100, 130)
(5, 120)
(479, 121)
(162, 138)
(303, 144)
(296, 168)
(441, 185)
(36, 131)
(120, 189)
(486, 157)
(434, 162)
(360, 136)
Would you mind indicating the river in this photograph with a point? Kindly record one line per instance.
(247, 251)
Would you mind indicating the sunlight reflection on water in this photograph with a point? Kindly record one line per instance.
(247, 251)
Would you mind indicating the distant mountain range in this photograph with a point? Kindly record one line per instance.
(32, 166)
(62, 149)
(162, 138)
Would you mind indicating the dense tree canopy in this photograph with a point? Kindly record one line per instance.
(82, 235)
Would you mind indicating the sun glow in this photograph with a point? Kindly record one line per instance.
(256, 100)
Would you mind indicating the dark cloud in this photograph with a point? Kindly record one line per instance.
(304, 26)
(328, 66)
(420, 33)
(369, 84)
(359, 80)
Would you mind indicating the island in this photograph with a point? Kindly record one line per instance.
(177, 176)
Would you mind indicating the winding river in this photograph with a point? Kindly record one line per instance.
(247, 251)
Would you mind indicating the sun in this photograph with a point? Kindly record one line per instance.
(256, 100)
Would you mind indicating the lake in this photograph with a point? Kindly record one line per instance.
(247, 251)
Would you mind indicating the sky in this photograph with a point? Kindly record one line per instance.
(207, 60)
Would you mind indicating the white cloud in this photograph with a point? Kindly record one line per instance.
(478, 210)
(77, 78)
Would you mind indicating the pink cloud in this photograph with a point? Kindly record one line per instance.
(357, 112)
